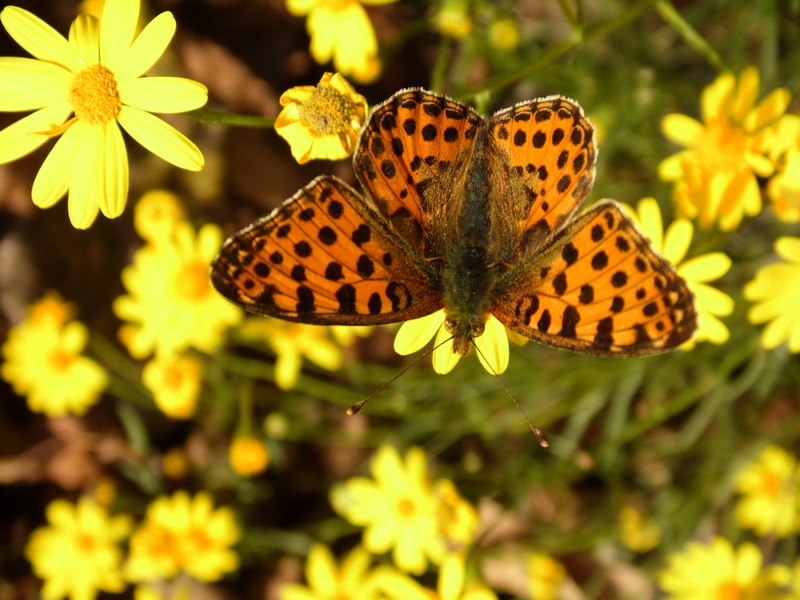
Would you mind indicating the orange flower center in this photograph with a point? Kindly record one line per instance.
(406, 508)
(192, 283)
(771, 484)
(326, 112)
(94, 95)
(728, 591)
(60, 360)
(85, 543)
(724, 146)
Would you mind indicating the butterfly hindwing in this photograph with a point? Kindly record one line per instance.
(324, 258)
(544, 152)
(599, 288)
(412, 160)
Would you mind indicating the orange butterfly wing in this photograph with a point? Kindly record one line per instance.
(412, 159)
(599, 288)
(325, 258)
(543, 155)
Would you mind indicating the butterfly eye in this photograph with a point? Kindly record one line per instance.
(450, 325)
(477, 330)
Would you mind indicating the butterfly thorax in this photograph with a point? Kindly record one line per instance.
(468, 276)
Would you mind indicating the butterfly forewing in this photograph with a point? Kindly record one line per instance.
(412, 159)
(544, 150)
(599, 288)
(324, 258)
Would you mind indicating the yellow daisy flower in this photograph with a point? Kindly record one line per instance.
(784, 188)
(718, 570)
(453, 19)
(638, 532)
(248, 456)
(492, 346)
(546, 577)
(43, 361)
(174, 381)
(328, 581)
(396, 508)
(715, 178)
(341, 30)
(171, 305)
(698, 271)
(156, 214)
(322, 122)
(85, 89)
(775, 290)
(77, 554)
(451, 585)
(770, 489)
(291, 342)
(183, 534)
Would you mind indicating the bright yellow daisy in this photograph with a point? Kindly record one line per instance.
(452, 584)
(42, 360)
(341, 31)
(492, 346)
(322, 121)
(174, 380)
(325, 580)
(77, 553)
(248, 456)
(638, 532)
(775, 290)
(184, 534)
(171, 305)
(86, 88)
(715, 177)
(770, 489)
(719, 571)
(698, 271)
(397, 509)
(546, 577)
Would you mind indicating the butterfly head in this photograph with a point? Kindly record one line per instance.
(463, 331)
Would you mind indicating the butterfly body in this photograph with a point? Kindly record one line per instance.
(471, 215)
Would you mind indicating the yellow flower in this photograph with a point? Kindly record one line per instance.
(175, 463)
(43, 361)
(784, 187)
(76, 553)
(156, 214)
(775, 290)
(291, 342)
(718, 571)
(715, 178)
(186, 534)
(174, 381)
(451, 585)
(492, 346)
(771, 493)
(171, 305)
(453, 19)
(85, 89)
(327, 581)
(546, 577)
(504, 35)
(322, 121)
(638, 532)
(248, 456)
(397, 509)
(697, 271)
(458, 519)
(341, 30)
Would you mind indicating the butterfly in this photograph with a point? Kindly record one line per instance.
(471, 215)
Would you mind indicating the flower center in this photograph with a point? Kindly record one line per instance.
(94, 96)
(728, 591)
(726, 146)
(60, 360)
(326, 112)
(406, 508)
(192, 282)
(85, 543)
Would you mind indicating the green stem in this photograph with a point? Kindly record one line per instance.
(568, 14)
(440, 68)
(689, 34)
(215, 116)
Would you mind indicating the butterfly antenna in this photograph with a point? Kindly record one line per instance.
(359, 405)
(540, 436)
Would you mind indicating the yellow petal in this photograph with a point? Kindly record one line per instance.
(415, 334)
(444, 359)
(147, 48)
(761, 165)
(160, 138)
(706, 267)
(769, 110)
(671, 168)
(163, 94)
(677, 240)
(55, 174)
(712, 330)
(716, 99)
(85, 189)
(712, 300)
(114, 169)
(788, 248)
(38, 38)
(451, 578)
(650, 221)
(746, 94)
(84, 37)
(24, 136)
(493, 346)
(117, 27)
(30, 84)
(682, 130)
(321, 570)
